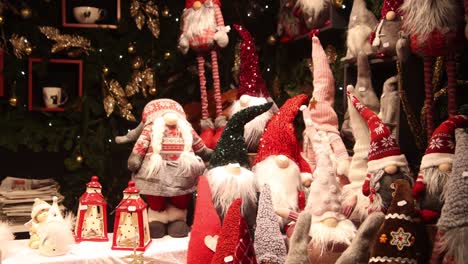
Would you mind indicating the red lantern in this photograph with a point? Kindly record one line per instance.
(131, 230)
(91, 223)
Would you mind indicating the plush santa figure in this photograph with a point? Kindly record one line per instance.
(5, 235)
(354, 202)
(385, 164)
(252, 90)
(450, 245)
(435, 29)
(289, 25)
(386, 35)
(397, 239)
(229, 172)
(314, 12)
(165, 167)
(279, 162)
(322, 114)
(203, 30)
(330, 231)
(436, 166)
(361, 24)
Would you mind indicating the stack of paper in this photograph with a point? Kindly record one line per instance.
(17, 197)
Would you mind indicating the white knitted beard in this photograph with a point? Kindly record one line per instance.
(197, 21)
(311, 7)
(323, 235)
(157, 133)
(226, 187)
(435, 181)
(284, 183)
(436, 14)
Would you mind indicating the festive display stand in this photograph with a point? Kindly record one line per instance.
(164, 250)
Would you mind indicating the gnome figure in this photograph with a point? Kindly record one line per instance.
(354, 202)
(252, 90)
(450, 245)
(435, 29)
(279, 162)
(436, 166)
(269, 242)
(322, 114)
(203, 30)
(397, 239)
(386, 35)
(313, 12)
(165, 166)
(385, 163)
(330, 231)
(361, 24)
(229, 172)
(39, 212)
(289, 25)
(5, 235)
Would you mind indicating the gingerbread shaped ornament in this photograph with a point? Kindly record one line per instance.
(203, 31)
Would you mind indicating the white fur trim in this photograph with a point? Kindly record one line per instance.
(392, 260)
(374, 165)
(399, 216)
(435, 159)
(174, 214)
(221, 38)
(160, 216)
(197, 21)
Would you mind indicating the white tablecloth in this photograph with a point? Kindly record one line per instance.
(166, 250)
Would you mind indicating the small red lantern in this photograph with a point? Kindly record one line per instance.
(91, 223)
(131, 230)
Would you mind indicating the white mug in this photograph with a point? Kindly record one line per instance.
(53, 97)
(88, 14)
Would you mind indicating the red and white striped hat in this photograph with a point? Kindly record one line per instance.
(441, 147)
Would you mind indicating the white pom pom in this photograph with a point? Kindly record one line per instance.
(303, 107)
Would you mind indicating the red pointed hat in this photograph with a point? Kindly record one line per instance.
(206, 223)
(391, 5)
(229, 236)
(441, 147)
(189, 3)
(250, 77)
(383, 148)
(279, 137)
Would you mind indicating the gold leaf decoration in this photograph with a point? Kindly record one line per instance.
(21, 46)
(66, 41)
(114, 93)
(146, 13)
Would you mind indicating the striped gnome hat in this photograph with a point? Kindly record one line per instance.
(231, 147)
(383, 148)
(323, 96)
(250, 77)
(279, 137)
(206, 226)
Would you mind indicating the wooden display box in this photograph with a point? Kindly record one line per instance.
(64, 73)
(107, 13)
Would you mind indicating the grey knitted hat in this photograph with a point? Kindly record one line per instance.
(299, 241)
(269, 243)
(455, 210)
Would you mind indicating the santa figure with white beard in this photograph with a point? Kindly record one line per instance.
(314, 12)
(436, 166)
(279, 162)
(228, 172)
(252, 90)
(203, 30)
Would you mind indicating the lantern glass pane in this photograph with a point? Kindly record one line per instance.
(93, 224)
(146, 226)
(127, 233)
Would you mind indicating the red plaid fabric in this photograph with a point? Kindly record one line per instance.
(245, 253)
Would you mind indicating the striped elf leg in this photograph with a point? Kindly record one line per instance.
(451, 85)
(216, 85)
(203, 94)
(437, 250)
(429, 96)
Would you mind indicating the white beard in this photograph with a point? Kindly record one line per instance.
(284, 183)
(311, 7)
(253, 130)
(323, 235)
(435, 181)
(196, 22)
(226, 187)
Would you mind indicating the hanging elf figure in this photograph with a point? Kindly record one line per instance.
(202, 31)
(435, 29)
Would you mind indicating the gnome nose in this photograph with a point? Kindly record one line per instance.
(197, 5)
(282, 161)
(170, 119)
(390, 15)
(330, 222)
(234, 168)
(244, 101)
(445, 167)
(391, 169)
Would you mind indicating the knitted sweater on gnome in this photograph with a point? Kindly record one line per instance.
(396, 238)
